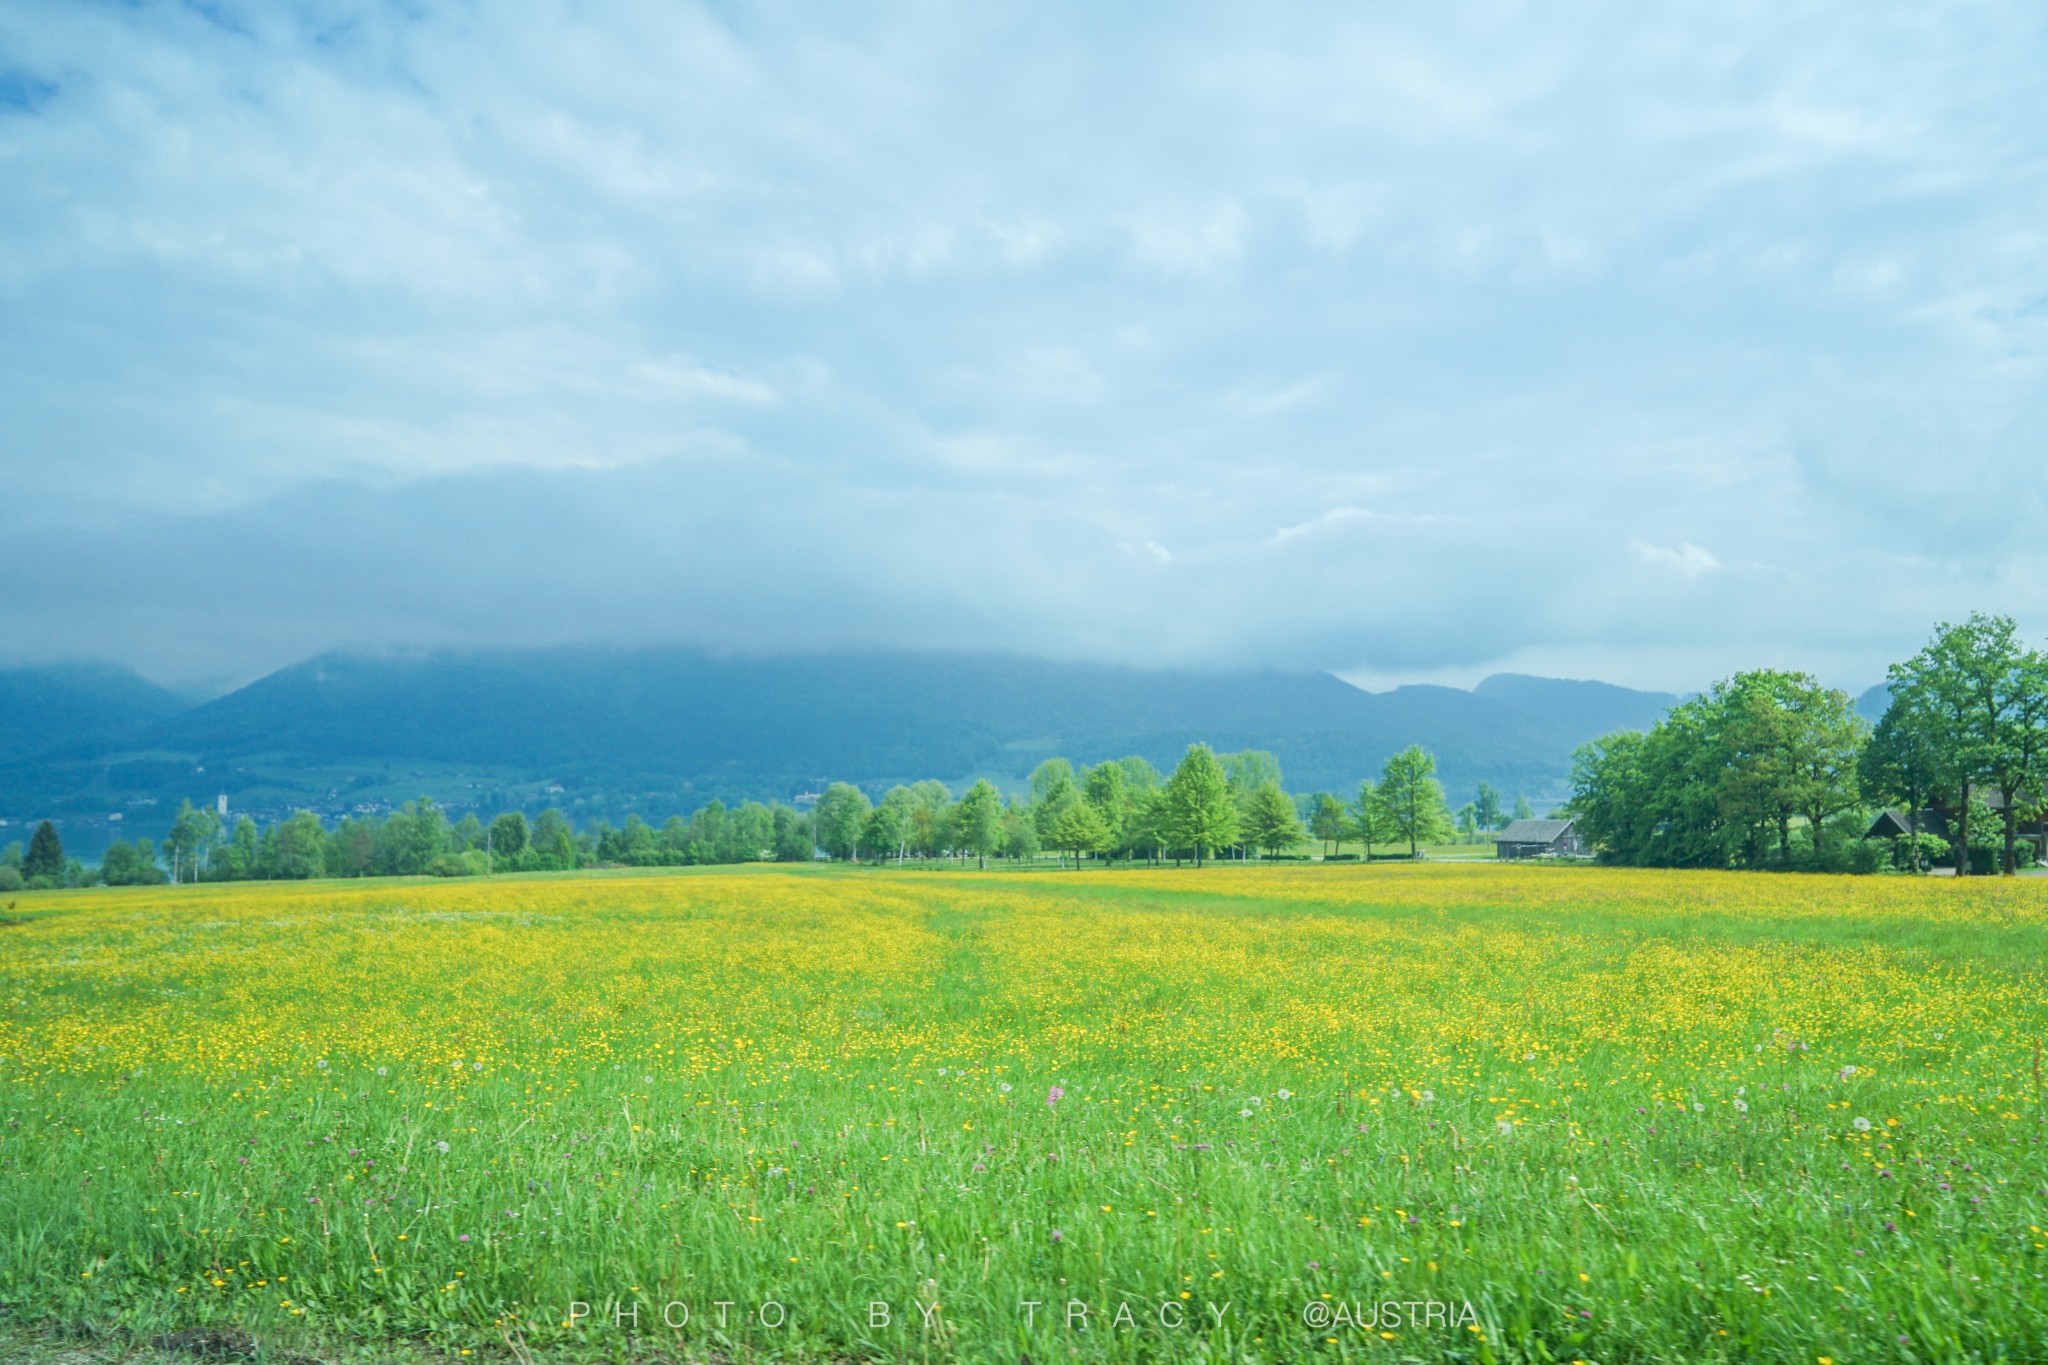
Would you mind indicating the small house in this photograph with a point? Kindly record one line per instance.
(1540, 839)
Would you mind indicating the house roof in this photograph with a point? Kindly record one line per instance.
(1533, 832)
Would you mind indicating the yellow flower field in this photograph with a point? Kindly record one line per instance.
(1234, 1113)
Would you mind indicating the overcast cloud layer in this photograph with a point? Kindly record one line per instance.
(1642, 342)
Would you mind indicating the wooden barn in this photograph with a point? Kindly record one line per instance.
(1540, 839)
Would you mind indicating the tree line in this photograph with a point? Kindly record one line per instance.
(1210, 806)
(1771, 769)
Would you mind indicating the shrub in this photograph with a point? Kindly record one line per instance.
(470, 864)
(1865, 856)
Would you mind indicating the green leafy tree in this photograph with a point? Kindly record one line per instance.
(1326, 821)
(1270, 823)
(1140, 775)
(44, 861)
(508, 837)
(1049, 800)
(1078, 830)
(1951, 692)
(1200, 816)
(1369, 818)
(792, 841)
(2019, 750)
(839, 818)
(1486, 806)
(1413, 799)
(931, 819)
(1468, 818)
(124, 865)
(554, 845)
(1048, 776)
(749, 834)
(1777, 745)
(300, 847)
(882, 833)
(1248, 770)
(1145, 831)
(1612, 795)
(351, 848)
(707, 827)
(1020, 834)
(1107, 790)
(192, 834)
(1901, 766)
(979, 822)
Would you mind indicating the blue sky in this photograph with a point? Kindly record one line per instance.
(1411, 342)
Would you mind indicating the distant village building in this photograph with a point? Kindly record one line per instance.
(2031, 827)
(1540, 839)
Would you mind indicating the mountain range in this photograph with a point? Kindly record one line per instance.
(666, 729)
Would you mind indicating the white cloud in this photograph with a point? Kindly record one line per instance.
(984, 307)
(1687, 560)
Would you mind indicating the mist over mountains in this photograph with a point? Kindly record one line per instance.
(666, 729)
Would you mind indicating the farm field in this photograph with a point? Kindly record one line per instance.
(1395, 1112)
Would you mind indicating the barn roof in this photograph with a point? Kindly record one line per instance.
(1532, 832)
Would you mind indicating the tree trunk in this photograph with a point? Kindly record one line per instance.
(2011, 834)
(1963, 834)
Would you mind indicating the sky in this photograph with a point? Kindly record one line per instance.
(1411, 342)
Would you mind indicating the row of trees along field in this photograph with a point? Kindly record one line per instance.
(1770, 769)
(1211, 805)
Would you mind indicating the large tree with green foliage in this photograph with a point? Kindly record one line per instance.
(978, 821)
(882, 835)
(1721, 780)
(1413, 799)
(1246, 771)
(1049, 776)
(2019, 752)
(1200, 815)
(839, 819)
(44, 861)
(1369, 819)
(1078, 829)
(1961, 693)
(1106, 790)
(1900, 765)
(1270, 823)
(1326, 820)
(1050, 799)
(299, 847)
(508, 836)
(1486, 806)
